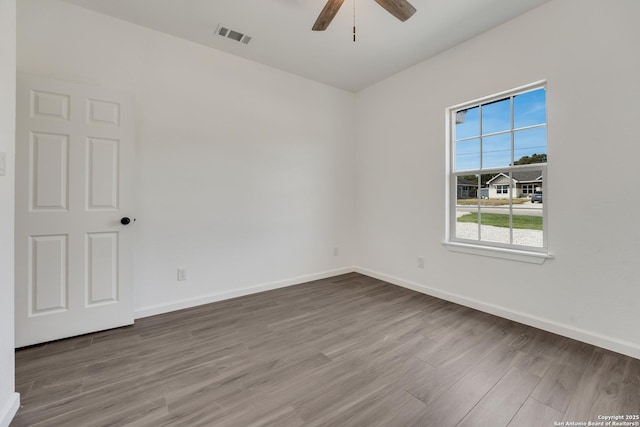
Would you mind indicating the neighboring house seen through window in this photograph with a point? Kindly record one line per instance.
(498, 166)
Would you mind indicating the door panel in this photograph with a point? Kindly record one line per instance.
(103, 112)
(102, 268)
(49, 105)
(49, 171)
(74, 157)
(102, 174)
(48, 279)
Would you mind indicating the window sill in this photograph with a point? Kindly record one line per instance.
(510, 254)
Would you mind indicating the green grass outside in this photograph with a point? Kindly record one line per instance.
(502, 220)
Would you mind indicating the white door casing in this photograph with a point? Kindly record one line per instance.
(74, 159)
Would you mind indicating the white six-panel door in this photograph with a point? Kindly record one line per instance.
(74, 154)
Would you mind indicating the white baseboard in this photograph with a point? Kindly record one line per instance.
(610, 343)
(9, 410)
(207, 299)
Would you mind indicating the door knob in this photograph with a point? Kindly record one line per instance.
(125, 220)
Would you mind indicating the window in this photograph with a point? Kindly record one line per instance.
(499, 145)
(528, 188)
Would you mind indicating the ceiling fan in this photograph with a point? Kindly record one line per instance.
(401, 9)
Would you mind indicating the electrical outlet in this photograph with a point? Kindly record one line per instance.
(182, 274)
(335, 251)
(420, 262)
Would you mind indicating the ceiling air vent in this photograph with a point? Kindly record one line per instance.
(228, 33)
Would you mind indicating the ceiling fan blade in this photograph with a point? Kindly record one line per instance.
(326, 16)
(401, 9)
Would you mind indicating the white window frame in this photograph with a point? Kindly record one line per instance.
(478, 247)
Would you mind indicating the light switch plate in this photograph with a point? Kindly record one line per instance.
(3, 163)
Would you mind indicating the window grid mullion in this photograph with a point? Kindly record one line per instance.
(480, 107)
(513, 160)
(503, 132)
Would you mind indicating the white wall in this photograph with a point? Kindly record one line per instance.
(9, 400)
(587, 49)
(244, 172)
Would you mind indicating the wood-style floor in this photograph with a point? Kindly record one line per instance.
(345, 351)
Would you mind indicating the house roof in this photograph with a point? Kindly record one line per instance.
(521, 177)
(465, 181)
(527, 176)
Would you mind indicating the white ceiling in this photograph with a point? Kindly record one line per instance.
(282, 37)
